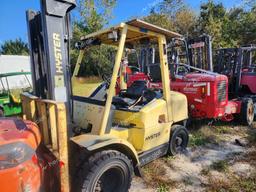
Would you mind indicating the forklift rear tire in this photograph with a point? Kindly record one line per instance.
(178, 140)
(247, 112)
(109, 171)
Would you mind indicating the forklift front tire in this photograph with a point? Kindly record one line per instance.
(178, 140)
(247, 112)
(106, 171)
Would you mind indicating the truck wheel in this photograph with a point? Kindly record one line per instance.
(178, 140)
(106, 171)
(247, 112)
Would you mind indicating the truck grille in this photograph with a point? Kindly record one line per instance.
(221, 91)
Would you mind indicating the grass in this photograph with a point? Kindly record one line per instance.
(205, 171)
(221, 166)
(203, 136)
(209, 134)
(82, 86)
(197, 139)
(234, 184)
(252, 136)
(225, 180)
(169, 158)
(223, 130)
(155, 176)
(85, 86)
(187, 181)
(162, 188)
(249, 157)
(247, 184)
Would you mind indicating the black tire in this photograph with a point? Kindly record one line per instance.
(178, 140)
(107, 171)
(247, 112)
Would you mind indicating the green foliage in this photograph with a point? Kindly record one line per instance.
(162, 188)
(185, 22)
(223, 130)
(197, 140)
(173, 15)
(98, 60)
(14, 47)
(94, 15)
(212, 21)
(228, 27)
(246, 29)
(160, 20)
(205, 135)
(247, 184)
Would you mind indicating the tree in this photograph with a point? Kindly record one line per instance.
(159, 19)
(212, 21)
(229, 28)
(246, 31)
(170, 7)
(173, 15)
(185, 22)
(14, 47)
(94, 14)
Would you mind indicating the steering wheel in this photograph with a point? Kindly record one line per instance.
(182, 70)
(134, 69)
(106, 78)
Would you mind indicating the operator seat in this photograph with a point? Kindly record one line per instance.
(128, 96)
(135, 90)
(137, 93)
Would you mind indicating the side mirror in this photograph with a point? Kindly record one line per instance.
(78, 45)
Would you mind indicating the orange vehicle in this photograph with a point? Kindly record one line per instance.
(20, 169)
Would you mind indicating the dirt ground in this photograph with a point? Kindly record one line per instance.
(220, 157)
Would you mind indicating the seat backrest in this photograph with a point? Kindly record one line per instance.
(136, 89)
(155, 73)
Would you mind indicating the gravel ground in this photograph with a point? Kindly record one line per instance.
(209, 167)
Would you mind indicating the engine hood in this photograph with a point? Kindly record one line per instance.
(18, 130)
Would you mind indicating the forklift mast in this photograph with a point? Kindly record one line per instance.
(49, 34)
(196, 52)
(239, 65)
(200, 52)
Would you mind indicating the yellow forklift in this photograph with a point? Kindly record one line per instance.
(114, 134)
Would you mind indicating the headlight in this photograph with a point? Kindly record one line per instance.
(14, 154)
